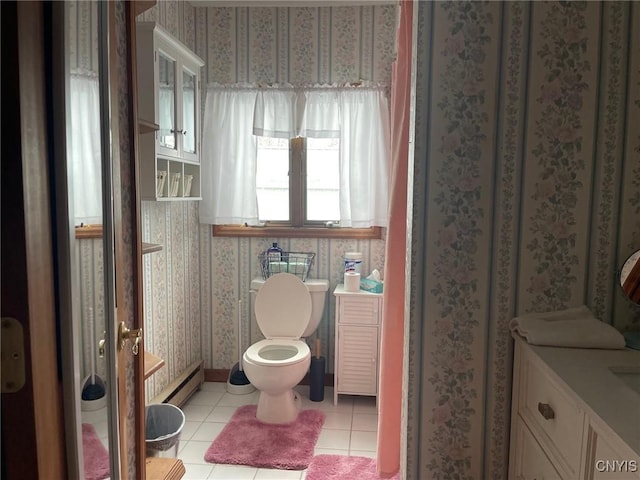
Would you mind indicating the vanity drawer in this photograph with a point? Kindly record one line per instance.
(528, 461)
(553, 416)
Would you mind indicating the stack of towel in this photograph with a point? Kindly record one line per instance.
(574, 327)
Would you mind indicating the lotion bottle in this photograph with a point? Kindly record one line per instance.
(274, 253)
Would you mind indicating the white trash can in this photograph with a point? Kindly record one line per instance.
(164, 423)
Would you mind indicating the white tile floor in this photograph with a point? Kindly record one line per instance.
(349, 429)
(98, 418)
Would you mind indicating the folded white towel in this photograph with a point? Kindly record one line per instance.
(573, 327)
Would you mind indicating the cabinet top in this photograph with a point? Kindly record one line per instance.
(339, 290)
(161, 32)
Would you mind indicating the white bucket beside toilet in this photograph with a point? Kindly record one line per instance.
(275, 365)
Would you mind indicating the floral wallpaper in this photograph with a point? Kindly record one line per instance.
(525, 193)
(90, 262)
(296, 44)
(192, 287)
(525, 199)
(459, 223)
(172, 289)
(229, 265)
(171, 277)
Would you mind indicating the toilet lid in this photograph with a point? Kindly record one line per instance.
(283, 306)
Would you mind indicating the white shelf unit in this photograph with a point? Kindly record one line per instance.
(169, 111)
(357, 342)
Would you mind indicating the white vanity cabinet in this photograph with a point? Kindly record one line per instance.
(169, 113)
(571, 417)
(357, 337)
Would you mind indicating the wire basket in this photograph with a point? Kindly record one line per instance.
(297, 263)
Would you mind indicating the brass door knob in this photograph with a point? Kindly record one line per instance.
(124, 334)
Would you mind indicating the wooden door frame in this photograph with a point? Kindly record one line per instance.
(135, 269)
(132, 85)
(28, 286)
(27, 252)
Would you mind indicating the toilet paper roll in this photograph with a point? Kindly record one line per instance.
(351, 281)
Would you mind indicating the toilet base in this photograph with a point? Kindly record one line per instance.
(280, 408)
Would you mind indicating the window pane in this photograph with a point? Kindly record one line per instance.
(272, 179)
(323, 179)
(166, 101)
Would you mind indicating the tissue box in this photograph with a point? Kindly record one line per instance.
(369, 285)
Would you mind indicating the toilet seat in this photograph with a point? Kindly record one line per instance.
(283, 307)
(258, 353)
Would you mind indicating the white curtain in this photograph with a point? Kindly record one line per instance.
(84, 149)
(229, 151)
(359, 116)
(364, 157)
(275, 114)
(321, 113)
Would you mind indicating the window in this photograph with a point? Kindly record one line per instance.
(309, 160)
(298, 181)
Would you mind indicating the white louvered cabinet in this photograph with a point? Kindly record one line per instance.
(357, 348)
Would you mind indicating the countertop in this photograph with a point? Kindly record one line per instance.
(339, 290)
(587, 373)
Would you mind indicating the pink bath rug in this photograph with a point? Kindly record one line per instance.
(96, 457)
(340, 467)
(247, 441)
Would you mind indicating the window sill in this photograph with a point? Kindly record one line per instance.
(89, 231)
(373, 233)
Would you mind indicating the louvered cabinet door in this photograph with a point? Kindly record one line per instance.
(358, 360)
(357, 342)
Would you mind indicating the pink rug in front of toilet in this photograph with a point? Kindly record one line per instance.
(95, 455)
(247, 441)
(341, 467)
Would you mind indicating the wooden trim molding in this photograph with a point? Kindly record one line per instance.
(131, 10)
(32, 416)
(373, 233)
(89, 231)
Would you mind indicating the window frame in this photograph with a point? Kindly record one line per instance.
(297, 226)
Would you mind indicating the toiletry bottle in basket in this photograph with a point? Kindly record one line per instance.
(274, 253)
(274, 257)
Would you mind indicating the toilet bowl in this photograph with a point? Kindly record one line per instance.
(275, 365)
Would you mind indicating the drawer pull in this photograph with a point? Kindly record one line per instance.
(546, 411)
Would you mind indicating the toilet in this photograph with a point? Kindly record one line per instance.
(284, 309)
(318, 288)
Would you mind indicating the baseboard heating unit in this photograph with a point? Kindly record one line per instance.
(185, 385)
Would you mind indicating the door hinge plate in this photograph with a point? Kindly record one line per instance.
(12, 355)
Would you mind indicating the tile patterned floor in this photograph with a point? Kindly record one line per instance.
(98, 418)
(349, 429)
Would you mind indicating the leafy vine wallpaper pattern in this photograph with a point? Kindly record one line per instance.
(526, 181)
(525, 199)
(457, 201)
(192, 287)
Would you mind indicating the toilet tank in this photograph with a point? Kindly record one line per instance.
(318, 288)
